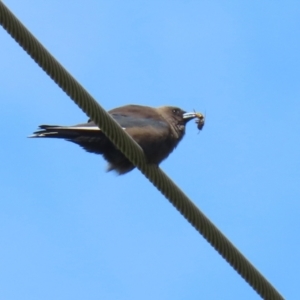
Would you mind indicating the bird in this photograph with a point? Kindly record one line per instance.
(157, 130)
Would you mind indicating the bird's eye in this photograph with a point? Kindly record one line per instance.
(175, 111)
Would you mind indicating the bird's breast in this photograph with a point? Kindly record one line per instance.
(157, 143)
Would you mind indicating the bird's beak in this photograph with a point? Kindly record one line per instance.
(192, 115)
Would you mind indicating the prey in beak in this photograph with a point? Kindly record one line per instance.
(200, 119)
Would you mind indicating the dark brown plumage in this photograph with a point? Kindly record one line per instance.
(156, 130)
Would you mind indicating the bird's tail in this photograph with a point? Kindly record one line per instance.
(87, 135)
(65, 132)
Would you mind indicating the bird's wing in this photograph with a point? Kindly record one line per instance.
(136, 116)
(135, 121)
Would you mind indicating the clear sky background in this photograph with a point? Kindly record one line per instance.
(69, 230)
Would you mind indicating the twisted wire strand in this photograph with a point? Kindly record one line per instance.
(135, 154)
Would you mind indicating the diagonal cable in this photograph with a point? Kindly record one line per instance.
(135, 154)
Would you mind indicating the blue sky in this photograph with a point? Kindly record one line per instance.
(69, 230)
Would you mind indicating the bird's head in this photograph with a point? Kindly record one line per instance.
(179, 118)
